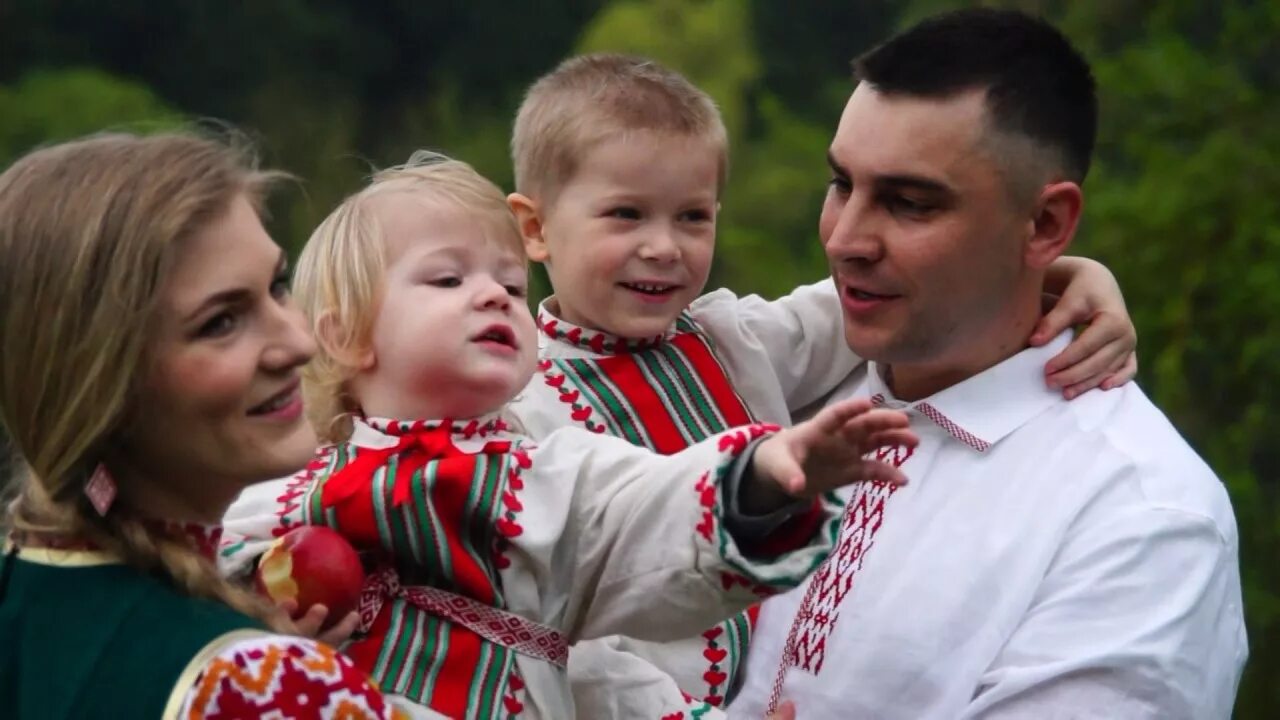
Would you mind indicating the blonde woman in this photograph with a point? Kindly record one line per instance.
(148, 372)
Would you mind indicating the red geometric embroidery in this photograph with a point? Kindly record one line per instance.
(953, 429)
(816, 618)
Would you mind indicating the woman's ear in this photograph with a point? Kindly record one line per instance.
(529, 219)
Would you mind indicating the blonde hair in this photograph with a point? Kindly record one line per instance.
(591, 98)
(340, 271)
(89, 230)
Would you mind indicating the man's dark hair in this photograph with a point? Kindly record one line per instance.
(1037, 84)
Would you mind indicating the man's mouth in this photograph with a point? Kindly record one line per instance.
(864, 295)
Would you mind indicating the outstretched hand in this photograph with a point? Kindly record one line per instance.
(826, 452)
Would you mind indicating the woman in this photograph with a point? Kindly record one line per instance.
(149, 357)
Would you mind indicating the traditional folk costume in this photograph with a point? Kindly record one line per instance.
(1048, 559)
(86, 636)
(497, 552)
(726, 362)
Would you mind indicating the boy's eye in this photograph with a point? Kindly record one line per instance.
(446, 282)
(623, 213)
(696, 215)
(517, 291)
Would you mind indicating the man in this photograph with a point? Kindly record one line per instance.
(1048, 559)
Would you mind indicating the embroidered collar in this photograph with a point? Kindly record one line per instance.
(597, 341)
(987, 407)
(203, 538)
(480, 428)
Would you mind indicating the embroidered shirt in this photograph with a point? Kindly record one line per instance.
(1047, 558)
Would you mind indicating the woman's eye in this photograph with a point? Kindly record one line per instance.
(280, 287)
(218, 326)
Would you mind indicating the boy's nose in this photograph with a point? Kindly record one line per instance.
(660, 246)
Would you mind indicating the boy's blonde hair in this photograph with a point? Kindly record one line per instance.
(594, 97)
(340, 272)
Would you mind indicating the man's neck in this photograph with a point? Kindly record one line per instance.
(916, 381)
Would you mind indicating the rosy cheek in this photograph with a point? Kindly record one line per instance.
(208, 382)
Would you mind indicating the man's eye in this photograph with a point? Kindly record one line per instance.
(906, 205)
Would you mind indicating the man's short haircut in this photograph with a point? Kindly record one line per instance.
(1038, 85)
(591, 98)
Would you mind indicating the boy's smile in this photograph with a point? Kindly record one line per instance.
(628, 241)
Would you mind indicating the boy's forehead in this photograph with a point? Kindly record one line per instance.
(644, 160)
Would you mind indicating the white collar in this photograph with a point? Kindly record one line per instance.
(984, 409)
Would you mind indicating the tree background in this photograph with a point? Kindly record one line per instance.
(1181, 203)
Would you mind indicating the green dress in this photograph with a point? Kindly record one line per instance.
(85, 636)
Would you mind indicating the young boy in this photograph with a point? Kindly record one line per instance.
(496, 552)
(619, 166)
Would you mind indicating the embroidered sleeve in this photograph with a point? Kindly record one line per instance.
(653, 558)
(254, 675)
(609, 680)
(801, 335)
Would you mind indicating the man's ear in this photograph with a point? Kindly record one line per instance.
(529, 219)
(337, 343)
(1057, 214)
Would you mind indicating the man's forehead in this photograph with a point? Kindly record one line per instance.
(902, 134)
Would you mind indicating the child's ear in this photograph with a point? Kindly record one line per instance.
(529, 219)
(337, 343)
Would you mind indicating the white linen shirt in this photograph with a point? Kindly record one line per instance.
(1047, 559)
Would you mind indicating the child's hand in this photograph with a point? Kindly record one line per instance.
(785, 711)
(825, 453)
(309, 624)
(1103, 355)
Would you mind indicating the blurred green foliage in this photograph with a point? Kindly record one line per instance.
(1182, 202)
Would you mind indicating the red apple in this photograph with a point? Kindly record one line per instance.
(312, 565)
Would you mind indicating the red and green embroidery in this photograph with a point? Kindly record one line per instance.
(442, 517)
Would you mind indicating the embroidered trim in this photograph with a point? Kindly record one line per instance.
(601, 343)
(515, 690)
(276, 676)
(291, 500)
(815, 619)
(578, 411)
(187, 678)
(498, 626)
(941, 420)
(466, 429)
(508, 526)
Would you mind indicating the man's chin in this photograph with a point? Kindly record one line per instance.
(873, 344)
